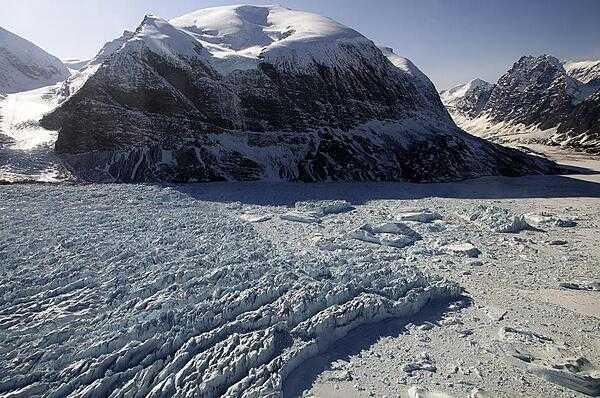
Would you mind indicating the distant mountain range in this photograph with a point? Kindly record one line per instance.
(539, 100)
(24, 66)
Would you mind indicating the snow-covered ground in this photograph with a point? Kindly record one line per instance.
(118, 290)
(27, 149)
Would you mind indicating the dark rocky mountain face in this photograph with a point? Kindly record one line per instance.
(334, 110)
(582, 129)
(535, 91)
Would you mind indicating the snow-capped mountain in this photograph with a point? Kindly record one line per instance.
(468, 99)
(539, 100)
(246, 93)
(24, 66)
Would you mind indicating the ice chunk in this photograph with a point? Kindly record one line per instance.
(388, 234)
(591, 286)
(541, 356)
(544, 220)
(422, 216)
(465, 249)
(416, 392)
(496, 219)
(324, 207)
(303, 217)
(255, 218)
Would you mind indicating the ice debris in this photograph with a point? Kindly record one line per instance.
(416, 392)
(495, 313)
(424, 362)
(302, 217)
(541, 356)
(590, 286)
(464, 249)
(255, 218)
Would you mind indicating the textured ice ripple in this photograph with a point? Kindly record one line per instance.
(135, 291)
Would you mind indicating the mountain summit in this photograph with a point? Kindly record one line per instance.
(248, 93)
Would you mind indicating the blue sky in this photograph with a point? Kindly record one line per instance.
(452, 41)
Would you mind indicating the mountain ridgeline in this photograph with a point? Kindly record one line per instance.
(249, 93)
(537, 93)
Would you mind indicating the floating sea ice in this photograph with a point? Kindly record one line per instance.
(422, 216)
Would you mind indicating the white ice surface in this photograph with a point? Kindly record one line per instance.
(130, 290)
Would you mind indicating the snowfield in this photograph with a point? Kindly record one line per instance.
(215, 290)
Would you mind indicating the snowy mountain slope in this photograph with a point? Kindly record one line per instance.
(77, 80)
(24, 66)
(418, 78)
(246, 93)
(111, 47)
(467, 99)
(536, 101)
(275, 35)
(26, 149)
(585, 71)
